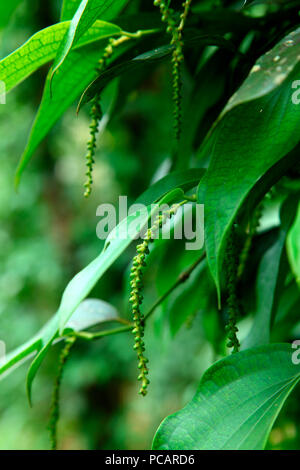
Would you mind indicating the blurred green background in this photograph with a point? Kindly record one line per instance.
(48, 234)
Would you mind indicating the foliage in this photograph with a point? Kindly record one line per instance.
(232, 146)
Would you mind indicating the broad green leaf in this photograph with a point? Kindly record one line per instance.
(270, 282)
(293, 247)
(42, 47)
(263, 108)
(85, 16)
(236, 404)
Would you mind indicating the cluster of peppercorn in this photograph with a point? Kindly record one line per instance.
(136, 298)
(96, 114)
(176, 31)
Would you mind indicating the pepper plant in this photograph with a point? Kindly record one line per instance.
(235, 73)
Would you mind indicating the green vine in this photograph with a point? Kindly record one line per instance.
(55, 409)
(136, 298)
(176, 32)
(232, 300)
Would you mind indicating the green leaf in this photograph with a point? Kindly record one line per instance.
(42, 47)
(150, 57)
(270, 282)
(236, 404)
(262, 109)
(293, 247)
(85, 16)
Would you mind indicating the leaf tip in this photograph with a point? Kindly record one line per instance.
(16, 181)
(29, 388)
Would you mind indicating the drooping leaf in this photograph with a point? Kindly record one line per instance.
(150, 57)
(147, 58)
(85, 16)
(236, 404)
(263, 108)
(42, 47)
(293, 247)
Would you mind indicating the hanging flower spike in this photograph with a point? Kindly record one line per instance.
(176, 32)
(96, 114)
(178, 59)
(55, 411)
(186, 8)
(136, 298)
(232, 301)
